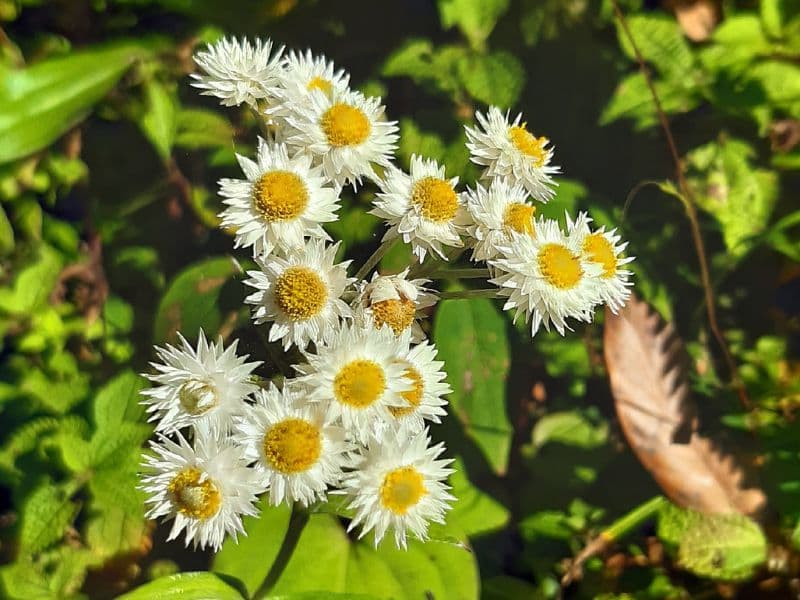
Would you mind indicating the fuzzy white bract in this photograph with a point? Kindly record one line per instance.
(399, 484)
(345, 132)
(423, 207)
(497, 212)
(303, 73)
(238, 72)
(396, 301)
(604, 248)
(205, 386)
(546, 278)
(300, 294)
(507, 149)
(205, 488)
(282, 202)
(296, 450)
(356, 377)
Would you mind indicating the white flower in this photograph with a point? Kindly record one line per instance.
(604, 248)
(206, 488)
(345, 132)
(546, 278)
(399, 484)
(497, 212)
(424, 401)
(423, 208)
(357, 377)
(295, 449)
(508, 149)
(283, 200)
(395, 301)
(203, 387)
(304, 73)
(238, 72)
(300, 294)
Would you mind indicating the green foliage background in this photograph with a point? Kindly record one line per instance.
(108, 244)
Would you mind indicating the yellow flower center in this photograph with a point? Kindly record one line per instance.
(412, 396)
(398, 314)
(192, 497)
(528, 144)
(359, 383)
(402, 489)
(345, 125)
(600, 251)
(319, 83)
(280, 196)
(519, 217)
(300, 293)
(197, 397)
(559, 266)
(292, 445)
(436, 199)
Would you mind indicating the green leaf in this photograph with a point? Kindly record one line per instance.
(414, 140)
(632, 99)
(43, 101)
(437, 68)
(474, 512)
(32, 284)
(660, 41)
(496, 78)
(184, 586)
(6, 234)
(772, 17)
(192, 300)
(199, 128)
(475, 18)
(46, 514)
(473, 343)
(251, 558)
(570, 428)
(158, 120)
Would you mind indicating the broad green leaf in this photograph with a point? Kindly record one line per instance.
(632, 99)
(661, 42)
(158, 120)
(496, 78)
(474, 512)
(772, 17)
(673, 522)
(475, 18)
(46, 514)
(32, 284)
(503, 587)
(6, 234)
(435, 67)
(251, 558)
(118, 401)
(570, 428)
(414, 140)
(43, 101)
(472, 341)
(199, 128)
(192, 301)
(198, 585)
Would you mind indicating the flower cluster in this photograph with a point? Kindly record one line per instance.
(352, 418)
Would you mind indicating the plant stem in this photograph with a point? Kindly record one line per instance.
(297, 523)
(483, 293)
(373, 260)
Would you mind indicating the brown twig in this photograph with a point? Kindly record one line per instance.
(691, 213)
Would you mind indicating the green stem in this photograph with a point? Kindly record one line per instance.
(297, 523)
(483, 293)
(375, 258)
(451, 255)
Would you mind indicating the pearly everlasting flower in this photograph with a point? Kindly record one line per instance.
(356, 377)
(239, 72)
(399, 484)
(422, 207)
(283, 200)
(304, 73)
(604, 248)
(497, 213)
(296, 450)
(202, 387)
(547, 278)
(300, 294)
(345, 132)
(205, 488)
(507, 149)
(395, 301)
(425, 400)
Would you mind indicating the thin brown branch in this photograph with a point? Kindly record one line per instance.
(691, 213)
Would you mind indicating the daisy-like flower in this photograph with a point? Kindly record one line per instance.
(604, 248)
(507, 149)
(304, 73)
(423, 208)
(547, 278)
(296, 450)
(357, 377)
(239, 72)
(399, 484)
(205, 488)
(283, 200)
(345, 132)
(395, 301)
(497, 213)
(199, 387)
(300, 294)
(424, 401)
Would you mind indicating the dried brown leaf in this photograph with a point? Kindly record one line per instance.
(697, 18)
(648, 370)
